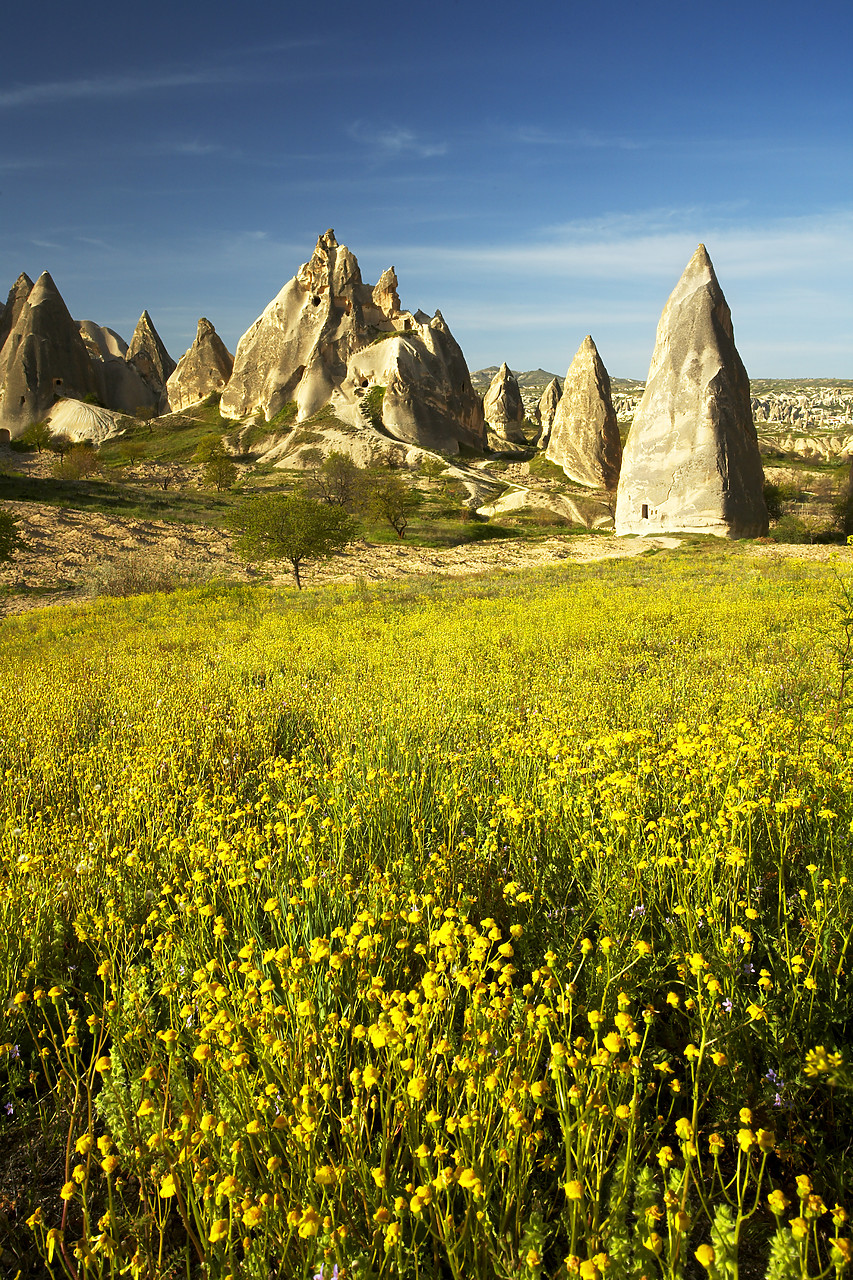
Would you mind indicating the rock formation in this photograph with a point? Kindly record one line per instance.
(43, 359)
(329, 338)
(585, 436)
(18, 294)
(503, 407)
(149, 356)
(202, 371)
(385, 293)
(691, 461)
(120, 385)
(546, 409)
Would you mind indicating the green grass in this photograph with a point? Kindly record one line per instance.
(110, 498)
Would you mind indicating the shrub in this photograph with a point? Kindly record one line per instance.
(137, 575)
(80, 461)
(218, 469)
(10, 539)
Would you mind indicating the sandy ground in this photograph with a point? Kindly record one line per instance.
(67, 550)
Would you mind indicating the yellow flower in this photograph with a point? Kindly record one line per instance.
(68, 1190)
(469, 1181)
(705, 1255)
(613, 1042)
(417, 1088)
(573, 1190)
(746, 1139)
(309, 1224)
(168, 1187)
(218, 1231)
(84, 1144)
(799, 1228)
(104, 1065)
(777, 1202)
(146, 1107)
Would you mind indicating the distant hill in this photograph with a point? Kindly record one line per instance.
(534, 379)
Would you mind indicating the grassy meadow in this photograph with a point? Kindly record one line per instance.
(494, 928)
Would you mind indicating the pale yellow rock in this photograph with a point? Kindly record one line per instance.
(584, 438)
(120, 384)
(44, 358)
(503, 407)
(691, 461)
(203, 370)
(314, 345)
(547, 410)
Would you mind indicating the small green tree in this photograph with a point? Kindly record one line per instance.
(386, 497)
(10, 539)
(292, 528)
(133, 451)
(38, 435)
(337, 481)
(80, 461)
(218, 468)
(60, 444)
(432, 469)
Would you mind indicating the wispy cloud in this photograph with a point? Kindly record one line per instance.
(653, 245)
(242, 67)
(50, 92)
(395, 141)
(534, 136)
(191, 147)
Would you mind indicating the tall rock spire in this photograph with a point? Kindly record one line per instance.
(203, 370)
(691, 462)
(547, 410)
(585, 435)
(503, 407)
(148, 354)
(18, 294)
(44, 359)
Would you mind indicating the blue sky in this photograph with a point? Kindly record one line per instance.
(537, 171)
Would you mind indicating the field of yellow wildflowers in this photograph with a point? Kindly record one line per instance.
(486, 930)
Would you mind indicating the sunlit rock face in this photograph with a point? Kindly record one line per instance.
(503, 407)
(546, 411)
(328, 338)
(120, 385)
(43, 359)
(18, 294)
(585, 436)
(203, 370)
(691, 461)
(148, 355)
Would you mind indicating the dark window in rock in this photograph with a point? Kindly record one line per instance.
(365, 383)
(57, 382)
(645, 512)
(315, 301)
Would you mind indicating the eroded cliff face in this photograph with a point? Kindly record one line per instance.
(691, 462)
(329, 337)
